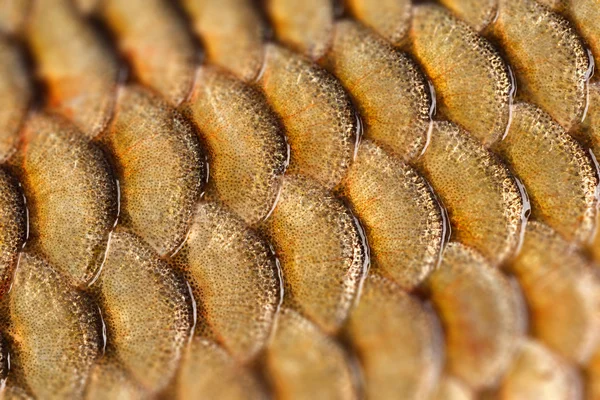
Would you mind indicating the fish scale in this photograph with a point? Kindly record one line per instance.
(287, 215)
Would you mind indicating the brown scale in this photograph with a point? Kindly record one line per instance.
(480, 313)
(560, 177)
(561, 291)
(15, 96)
(305, 26)
(389, 18)
(550, 62)
(232, 33)
(246, 147)
(537, 373)
(393, 98)
(403, 221)
(109, 380)
(160, 166)
(13, 228)
(397, 341)
(53, 330)
(484, 203)
(235, 280)
(320, 122)
(390, 93)
(477, 13)
(147, 308)
(78, 70)
(450, 51)
(208, 372)
(304, 363)
(583, 14)
(322, 251)
(156, 43)
(71, 193)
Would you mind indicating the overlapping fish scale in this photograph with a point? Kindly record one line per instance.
(244, 139)
(448, 51)
(148, 33)
(550, 268)
(232, 32)
(208, 372)
(237, 45)
(481, 315)
(15, 96)
(53, 351)
(485, 205)
(304, 363)
(147, 308)
(321, 125)
(550, 62)
(77, 67)
(160, 166)
(323, 253)
(538, 373)
(389, 91)
(389, 18)
(403, 220)
(305, 26)
(385, 317)
(235, 278)
(582, 14)
(72, 195)
(560, 177)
